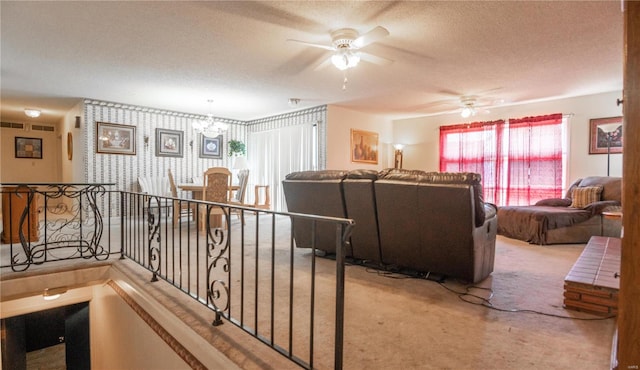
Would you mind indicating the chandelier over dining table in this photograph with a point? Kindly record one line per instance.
(209, 127)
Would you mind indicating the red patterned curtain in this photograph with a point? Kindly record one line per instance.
(472, 148)
(520, 161)
(530, 162)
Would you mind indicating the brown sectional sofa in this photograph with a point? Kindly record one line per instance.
(554, 221)
(415, 221)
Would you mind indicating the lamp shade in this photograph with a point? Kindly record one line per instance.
(608, 128)
(240, 163)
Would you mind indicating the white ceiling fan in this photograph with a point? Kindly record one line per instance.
(346, 47)
(467, 105)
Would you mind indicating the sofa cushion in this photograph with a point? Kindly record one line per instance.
(317, 175)
(467, 178)
(362, 175)
(611, 186)
(398, 173)
(555, 202)
(571, 187)
(585, 195)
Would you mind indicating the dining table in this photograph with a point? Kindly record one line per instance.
(196, 189)
(196, 194)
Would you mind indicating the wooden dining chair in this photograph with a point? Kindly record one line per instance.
(179, 208)
(217, 182)
(238, 196)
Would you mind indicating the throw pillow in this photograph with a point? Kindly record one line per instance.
(554, 202)
(583, 196)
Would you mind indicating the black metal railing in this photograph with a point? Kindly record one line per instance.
(239, 262)
(54, 222)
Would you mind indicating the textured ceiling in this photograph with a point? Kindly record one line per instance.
(177, 55)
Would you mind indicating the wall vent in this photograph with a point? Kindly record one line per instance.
(43, 128)
(12, 125)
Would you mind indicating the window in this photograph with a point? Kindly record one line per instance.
(276, 153)
(520, 161)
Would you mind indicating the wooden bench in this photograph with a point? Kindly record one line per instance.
(592, 284)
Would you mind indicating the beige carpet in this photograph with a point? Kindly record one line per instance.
(394, 322)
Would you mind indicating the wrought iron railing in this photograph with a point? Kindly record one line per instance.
(53, 222)
(239, 262)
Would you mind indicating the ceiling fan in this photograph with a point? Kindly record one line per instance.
(346, 46)
(469, 106)
(466, 105)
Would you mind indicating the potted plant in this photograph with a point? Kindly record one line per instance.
(237, 148)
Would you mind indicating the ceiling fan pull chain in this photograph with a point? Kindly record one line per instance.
(345, 81)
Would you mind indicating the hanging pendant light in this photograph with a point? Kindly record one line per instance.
(209, 127)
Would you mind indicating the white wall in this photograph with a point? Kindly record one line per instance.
(421, 135)
(340, 121)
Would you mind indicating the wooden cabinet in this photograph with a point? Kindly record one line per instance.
(14, 202)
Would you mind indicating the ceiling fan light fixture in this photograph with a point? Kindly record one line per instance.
(467, 112)
(33, 113)
(345, 59)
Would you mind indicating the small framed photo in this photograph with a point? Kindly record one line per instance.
(169, 143)
(211, 147)
(364, 146)
(28, 147)
(112, 138)
(605, 134)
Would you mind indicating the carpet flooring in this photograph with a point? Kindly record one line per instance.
(512, 320)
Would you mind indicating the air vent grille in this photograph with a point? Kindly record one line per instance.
(43, 128)
(12, 125)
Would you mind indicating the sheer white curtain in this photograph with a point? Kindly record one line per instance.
(275, 153)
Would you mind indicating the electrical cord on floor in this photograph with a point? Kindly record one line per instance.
(468, 297)
(388, 274)
(486, 302)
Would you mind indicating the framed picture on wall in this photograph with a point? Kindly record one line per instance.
(113, 138)
(364, 146)
(211, 147)
(605, 134)
(28, 147)
(169, 143)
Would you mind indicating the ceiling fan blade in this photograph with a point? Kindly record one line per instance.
(444, 103)
(375, 59)
(326, 47)
(263, 12)
(370, 37)
(450, 92)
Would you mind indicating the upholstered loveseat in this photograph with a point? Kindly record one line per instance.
(405, 220)
(572, 219)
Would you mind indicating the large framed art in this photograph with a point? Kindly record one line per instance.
(211, 147)
(113, 138)
(605, 134)
(169, 143)
(364, 146)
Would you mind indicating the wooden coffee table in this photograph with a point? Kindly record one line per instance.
(592, 284)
